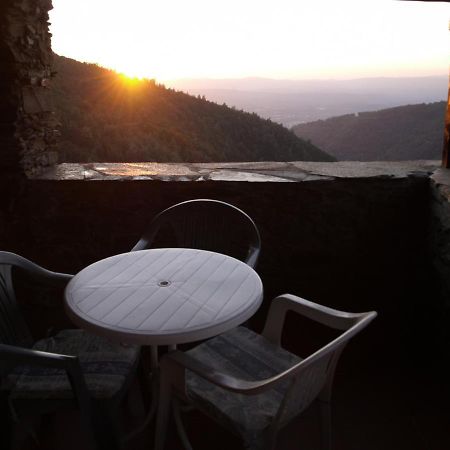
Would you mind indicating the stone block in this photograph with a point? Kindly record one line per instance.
(36, 99)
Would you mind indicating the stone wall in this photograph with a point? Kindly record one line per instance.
(28, 127)
(440, 244)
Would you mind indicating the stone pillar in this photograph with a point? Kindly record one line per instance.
(28, 127)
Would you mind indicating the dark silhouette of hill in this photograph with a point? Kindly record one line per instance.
(402, 133)
(105, 117)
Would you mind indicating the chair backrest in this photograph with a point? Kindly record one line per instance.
(208, 225)
(13, 329)
(313, 377)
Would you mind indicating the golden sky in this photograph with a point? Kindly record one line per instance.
(292, 39)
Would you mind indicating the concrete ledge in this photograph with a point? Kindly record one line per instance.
(247, 172)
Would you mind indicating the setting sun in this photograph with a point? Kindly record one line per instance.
(130, 80)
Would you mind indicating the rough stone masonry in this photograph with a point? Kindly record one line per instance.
(28, 126)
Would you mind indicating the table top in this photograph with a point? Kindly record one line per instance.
(163, 296)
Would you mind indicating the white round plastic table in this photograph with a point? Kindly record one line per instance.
(163, 296)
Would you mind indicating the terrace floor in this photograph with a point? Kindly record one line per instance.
(384, 408)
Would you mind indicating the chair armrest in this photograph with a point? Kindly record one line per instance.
(27, 356)
(34, 270)
(173, 365)
(20, 356)
(333, 318)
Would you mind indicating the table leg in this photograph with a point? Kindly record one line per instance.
(154, 381)
(176, 409)
(153, 357)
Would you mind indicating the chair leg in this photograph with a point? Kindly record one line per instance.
(6, 422)
(105, 427)
(266, 441)
(325, 425)
(273, 442)
(21, 433)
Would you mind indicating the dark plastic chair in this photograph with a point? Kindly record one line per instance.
(207, 225)
(251, 385)
(70, 369)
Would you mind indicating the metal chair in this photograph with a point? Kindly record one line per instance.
(207, 225)
(70, 369)
(250, 384)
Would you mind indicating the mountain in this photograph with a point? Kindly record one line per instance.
(297, 101)
(403, 133)
(105, 117)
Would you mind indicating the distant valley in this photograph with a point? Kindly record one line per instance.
(394, 134)
(291, 102)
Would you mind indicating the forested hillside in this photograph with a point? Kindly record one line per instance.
(401, 133)
(104, 117)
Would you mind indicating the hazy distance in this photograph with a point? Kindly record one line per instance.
(291, 102)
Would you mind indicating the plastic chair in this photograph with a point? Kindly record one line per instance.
(250, 384)
(207, 225)
(70, 369)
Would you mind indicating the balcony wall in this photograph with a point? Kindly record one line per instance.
(350, 235)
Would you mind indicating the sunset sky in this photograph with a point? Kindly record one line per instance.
(294, 39)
